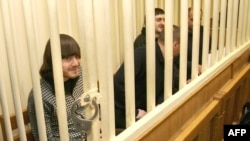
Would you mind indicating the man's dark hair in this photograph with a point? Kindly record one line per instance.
(159, 11)
(69, 47)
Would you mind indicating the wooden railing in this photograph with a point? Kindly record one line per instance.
(203, 116)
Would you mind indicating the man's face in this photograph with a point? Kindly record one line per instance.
(176, 48)
(159, 23)
(70, 67)
(190, 19)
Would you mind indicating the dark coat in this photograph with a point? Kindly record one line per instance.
(140, 40)
(190, 45)
(140, 84)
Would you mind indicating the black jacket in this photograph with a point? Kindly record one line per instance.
(140, 40)
(190, 45)
(140, 84)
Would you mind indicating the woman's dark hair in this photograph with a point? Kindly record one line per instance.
(69, 47)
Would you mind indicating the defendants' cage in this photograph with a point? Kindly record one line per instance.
(105, 31)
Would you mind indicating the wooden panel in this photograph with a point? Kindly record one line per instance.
(241, 62)
(234, 95)
(199, 123)
(232, 92)
(217, 127)
(14, 126)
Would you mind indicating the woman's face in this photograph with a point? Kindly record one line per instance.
(70, 66)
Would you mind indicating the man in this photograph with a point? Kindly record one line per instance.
(73, 86)
(190, 37)
(140, 79)
(140, 40)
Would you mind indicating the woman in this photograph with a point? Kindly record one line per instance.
(73, 86)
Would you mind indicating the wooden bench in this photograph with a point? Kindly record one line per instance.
(14, 126)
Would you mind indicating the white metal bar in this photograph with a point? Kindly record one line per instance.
(134, 18)
(176, 12)
(234, 24)
(206, 35)
(196, 38)
(229, 27)
(104, 54)
(9, 29)
(183, 45)
(244, 32)
(116, 36)
(30, 31)
(222, 29)
(57, 71)
(104, 74)
(87, 42)
(108, 130)
(69, 11)
(128, 61)
(240, 23)
(140, 16)
(169, 17)
(89, 55)
(248, 25)
(5, 109)
(214, 44)
(150, 54)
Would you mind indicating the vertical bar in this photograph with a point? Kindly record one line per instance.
(68, 6)
(104, 53)
(134, 19)
(156, 3)
(183, 45)
(196, 38)
(87, 42)
(245, 21)
(215, 32)
(206, 35)
(5, 109)
(240, 19)
(240, 23)
(248, 25)
(108, 102)
(57, 71)
(234, 24)
(35, 24)
(176, 12)
(129, 59)
(150, 54)
(116, 40)
(222, 29)
(168, 49)
(190, 3)
(161, 4)
(229, 27)
(30, 31)
(140, 15)
(8, 32)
